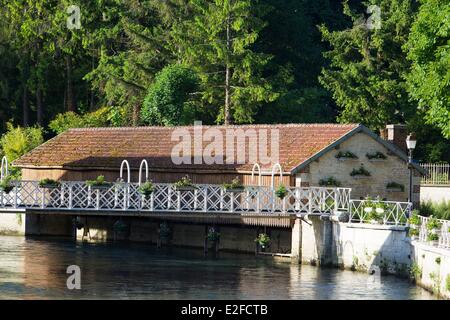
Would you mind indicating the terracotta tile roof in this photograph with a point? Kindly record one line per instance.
(107, 147)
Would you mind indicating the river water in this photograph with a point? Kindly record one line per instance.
(36, 269)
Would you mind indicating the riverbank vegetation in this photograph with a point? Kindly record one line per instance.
(129, 63)
(439, 210)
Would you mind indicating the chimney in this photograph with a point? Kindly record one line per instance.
(396, 134)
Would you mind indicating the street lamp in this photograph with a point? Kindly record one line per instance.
(411, 145)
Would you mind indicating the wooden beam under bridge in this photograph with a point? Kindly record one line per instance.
(267, 220)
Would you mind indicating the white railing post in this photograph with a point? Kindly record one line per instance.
(97, 202)
(16, 190)
(232, 202)
(169, 195)
(178, 200)
(336, 199)
(70, 196)
(310, 200)
(205, 208)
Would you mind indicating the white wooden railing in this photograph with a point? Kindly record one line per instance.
(379, 212)
(437, 173)
(166, 198)
(443, 233)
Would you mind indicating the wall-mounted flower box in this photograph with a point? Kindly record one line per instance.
(395, 187)
(99, 183)
(329, 182)
(234, 187)
(360, 173)
(185, 184)
(49, 184)
(346, 156)
(376, 157)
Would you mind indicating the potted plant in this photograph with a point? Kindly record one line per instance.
(263, 240)
(120, 226)
(374, 216)
(377, 156)
(6, 186)
(414, 224)
(281, 191)
(347, 155)
(360, 173)
(99, 183)
(146, 189)
(329, 182)
(164, 230)
(213, 235)
(395, 187)
(375, 210)
(433, 228)
(184, 184)
(234, 186)
(49, 184)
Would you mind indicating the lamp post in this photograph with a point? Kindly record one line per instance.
(411, 145)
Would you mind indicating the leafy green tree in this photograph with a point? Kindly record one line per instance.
(18, 140)
(429, 51)
(216, 40)
(367, 66)
(132, 49)
(170, 98)
(68, 120)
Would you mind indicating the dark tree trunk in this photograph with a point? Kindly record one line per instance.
(25, 107)
(70, 98)
(135, 117)
(227, 113)
(39, 109)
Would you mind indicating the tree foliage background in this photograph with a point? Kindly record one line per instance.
(227, 61)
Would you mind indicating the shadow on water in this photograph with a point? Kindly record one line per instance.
(31, 269)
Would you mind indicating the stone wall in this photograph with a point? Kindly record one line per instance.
(393, 169)
(367, 247)
(432, 266)
(12, 224)
(435, 193)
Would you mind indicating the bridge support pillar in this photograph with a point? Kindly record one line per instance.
(296, 241)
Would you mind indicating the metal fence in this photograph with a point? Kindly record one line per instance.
(379, 212)
(70, 195)
(437, 173)
(437, 237)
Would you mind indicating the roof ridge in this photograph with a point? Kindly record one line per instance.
(260, 125)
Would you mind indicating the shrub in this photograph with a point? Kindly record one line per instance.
(360, 172)
(376, 155)
(281, 191)
(438, 210)
(146, 188)
(17, 141)
(329, 182)
(234, 184)
(169, 100)
(98, 182)
(184, 182)
(48, 183)
(68, 120)
(395, 185)
(433, 224)
(6, 185)
(414, 219)
(415, 271)
(346, 154)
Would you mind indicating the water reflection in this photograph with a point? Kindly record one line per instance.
(36, 269)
